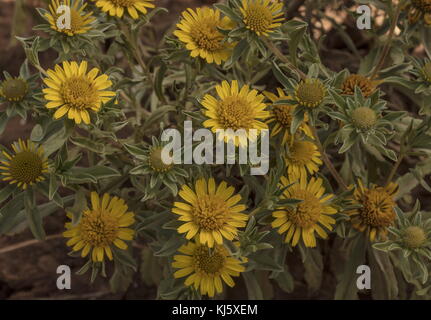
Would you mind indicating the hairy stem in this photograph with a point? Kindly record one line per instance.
(328, 162)
(394, 169)
(388, 43)
(283, 58)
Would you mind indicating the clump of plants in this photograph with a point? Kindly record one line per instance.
(348, 159)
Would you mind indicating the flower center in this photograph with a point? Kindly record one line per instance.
(206, 36)
(208, 262)
(123, 3)
(422, 5)
(210, 212)
(98, 229)
(234, 113)
(14, 89)
(414, 237)
(364, 117)
(356, 80)
(307, 213)
(283, 114)
(26, 167)
(377, 210)
(301, 152)
(79, 93)
(310, 93)
(257, 18)
(156, 162)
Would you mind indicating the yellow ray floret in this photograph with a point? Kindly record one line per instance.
(236, 109)
(206, 269)
(210, 212)
(262, 16)
(100, 228)
(80, 22)
(73, 91)
(26, 167)
(307, 217)
(117, 8)
(199, 31)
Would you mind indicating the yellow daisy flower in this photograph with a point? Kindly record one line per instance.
(210, 213)
(79, 22)
(262, 16)
(377, 213)
(101, 227)
(206, 268)
(236, 109)
(116, 8)
(198, 30)
(26, 166)
(308, 216)
(73, 91)
(282, 115)
(302, 156)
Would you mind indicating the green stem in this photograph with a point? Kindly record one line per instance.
(394, 169)
(328, 162)
(388, 43)
(282, 57)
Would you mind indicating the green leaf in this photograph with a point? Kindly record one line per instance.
(6, 192)
(87, 143)
(281, 76)
(296, 30)
(228, 12)
(8, 213)
(34, 218)
(53, 185)
(240, 49)
(346, 282)
(169, 247)
(158, 81)
(253, 289)
(3, 121)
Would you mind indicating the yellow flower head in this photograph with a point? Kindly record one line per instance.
(303, 156)
(206, 268)
(73, 91)
(364, 118)
(235, 109)
(366, 85)
(155, 160)
(377, 212)
(26, 166)
(308, 216)
(418, 9)
(262, 16)
(210, 213)
(310, 93)
(198, 30)
(281, 117)
(79, 22)
(414, 237)
(116, 8)
(101, 227)
(13, 89)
